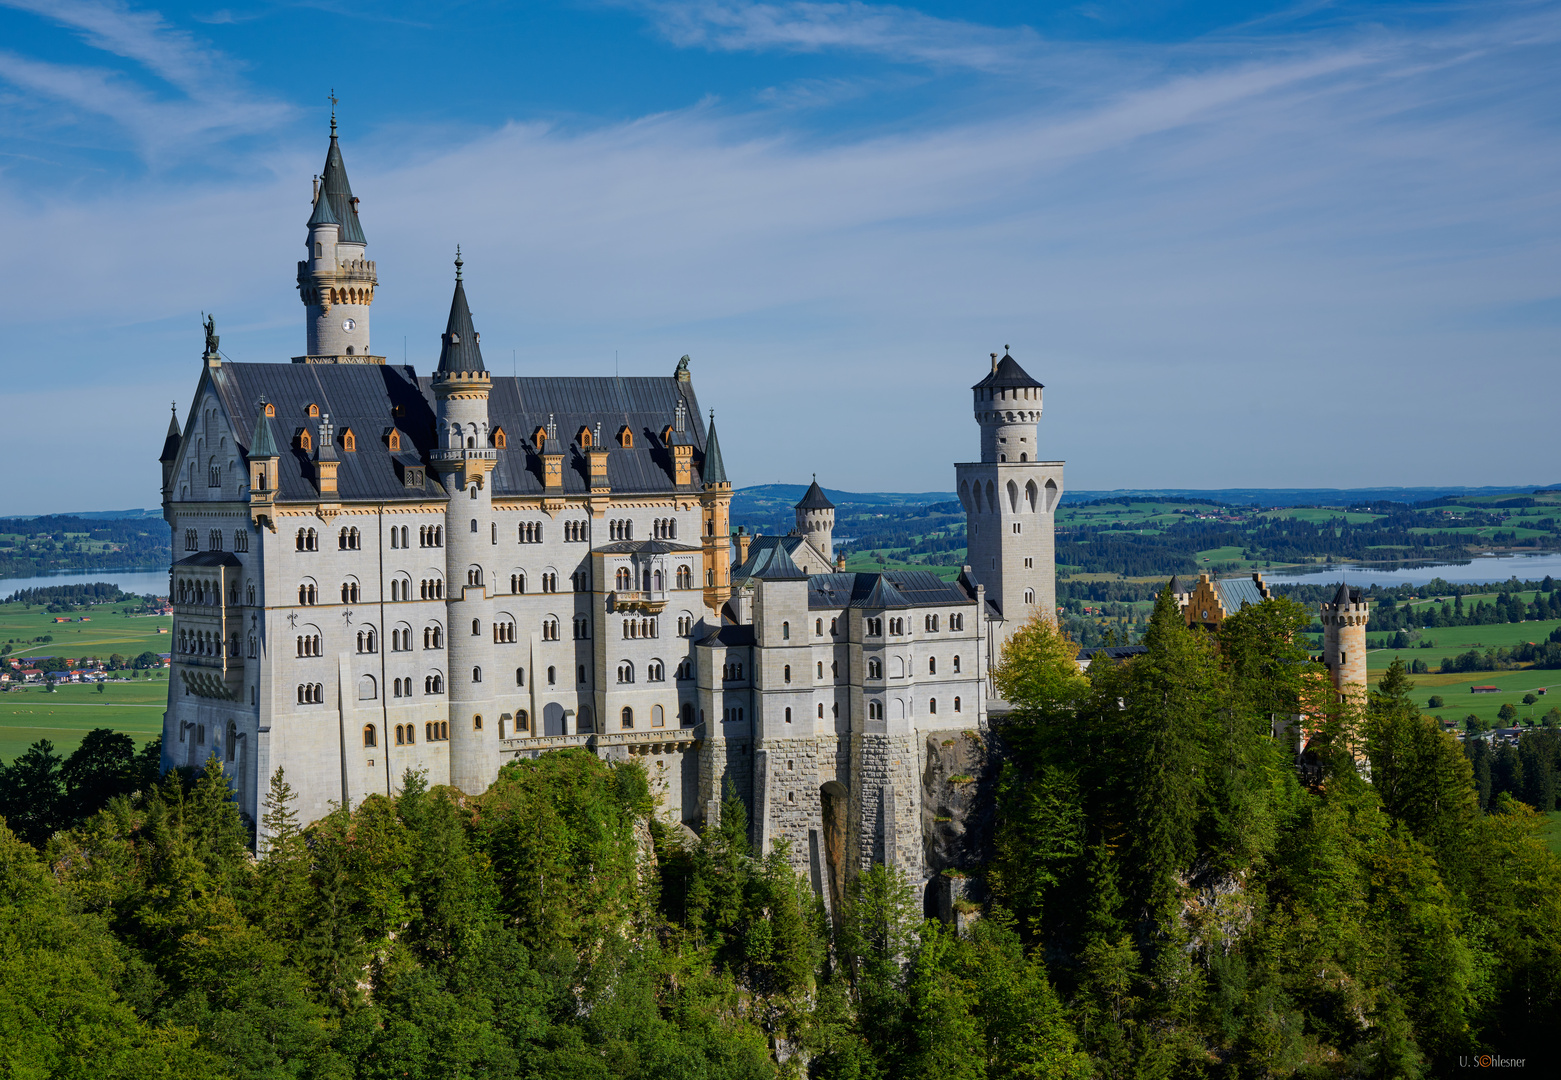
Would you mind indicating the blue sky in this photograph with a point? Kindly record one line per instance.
(1273, 245)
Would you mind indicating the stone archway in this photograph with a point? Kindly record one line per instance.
(834, 802)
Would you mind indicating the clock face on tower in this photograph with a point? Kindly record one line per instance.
(349, 325)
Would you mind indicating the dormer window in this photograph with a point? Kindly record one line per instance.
(349, 441)
(303, 439)
(539, 438)
(585, 438)
(499, 441)
(270, 409)
(666, 435)
(455, 339)
(625, 437)
(393, 440)
(312, 410)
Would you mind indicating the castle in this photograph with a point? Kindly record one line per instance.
(378, 571)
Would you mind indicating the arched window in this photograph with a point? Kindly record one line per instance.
(411, 734)
(686, 717)
(627, 716)
(476, 722)
(932, 665)
(788, 715)
(370, 739)
(875, 669)
(520, 676)
(623, 579)
(476, 674)
(552, 675)
(401, 737)
(522, 720)
(787, 673)
(956, 704)
(956, 664)
(476, 628)
(820, 669)
(932, 705)
(818, 627)
(785, 631)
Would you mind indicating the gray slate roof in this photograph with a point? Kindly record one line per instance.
(714, 469)
(362, 396)
(172, 440)
(322, 210)
(210, 558)
(814, 499)
(1237, 593)
(343, 206)
(779, 567)
(1008, 374)
(888, 590)
(644, 547)
(729, 634)
(458, 349)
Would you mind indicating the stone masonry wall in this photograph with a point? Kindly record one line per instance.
(885, 801)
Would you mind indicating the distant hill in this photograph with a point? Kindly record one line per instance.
(766, 498)
(94, 515)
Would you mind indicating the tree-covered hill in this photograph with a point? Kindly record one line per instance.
(1169, 892)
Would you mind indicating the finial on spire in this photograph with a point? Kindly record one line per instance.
(333, 112)
(1007, 347)
(458, 262)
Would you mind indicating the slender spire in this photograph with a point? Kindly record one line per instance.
(264, 443)
(333, 181)
(714, 469)
(323, 214)
(174, 438)
(459, 350)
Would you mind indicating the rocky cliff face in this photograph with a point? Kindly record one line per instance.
(959, 786)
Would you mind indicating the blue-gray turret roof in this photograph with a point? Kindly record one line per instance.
(1006, 373)
(459, 350)
(714, 471)
(322, 210)
(779, 567)
(333, 181)
(264, 443)
(172, 440)
(814, 499)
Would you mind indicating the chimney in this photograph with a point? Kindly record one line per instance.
(743, 540)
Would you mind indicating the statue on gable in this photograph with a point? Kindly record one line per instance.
(211, 335)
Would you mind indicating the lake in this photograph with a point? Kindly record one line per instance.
(141, 580)
(1477, 571)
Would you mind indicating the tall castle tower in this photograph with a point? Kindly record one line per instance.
(335, 282)
(1010, 499)
(816, 520)
(1344, 640)
(464, 460)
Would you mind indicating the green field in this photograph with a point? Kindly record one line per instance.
(30, 713)
(109, 631)
(65, 716)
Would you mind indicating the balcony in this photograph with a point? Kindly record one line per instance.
(651, 602)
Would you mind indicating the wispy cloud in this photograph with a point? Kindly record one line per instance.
(209, 98)
(1353, 214)
(895, 33)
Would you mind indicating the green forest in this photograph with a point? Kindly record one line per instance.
(1167, 893)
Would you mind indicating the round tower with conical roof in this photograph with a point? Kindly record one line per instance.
(816, 520)
(335, 282)
(465, 459)
(1010, 499)
(1344, 640)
